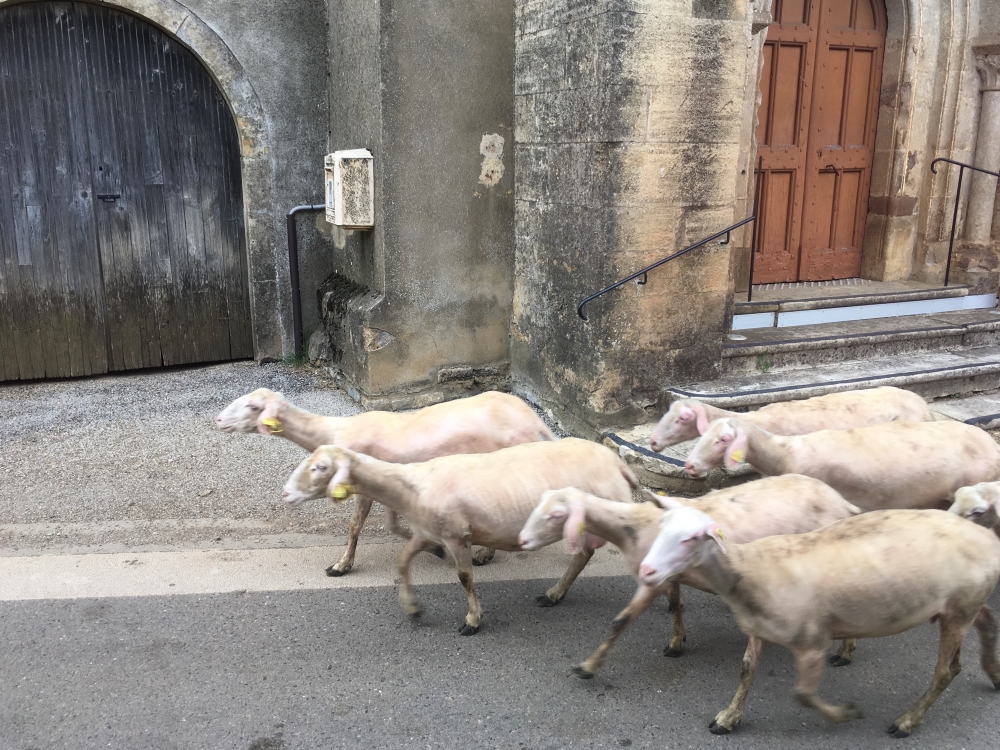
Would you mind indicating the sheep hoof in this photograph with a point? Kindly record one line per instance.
(437, 551)
(334, 572)
(852, 712)
(672, 652)
(582, 673)
(467, 629)
(838, 661)
(544, 601)
(717, 728)
(898, 733)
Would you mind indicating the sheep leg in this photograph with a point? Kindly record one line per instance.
(407, 598)
(362, 507)
(727, 719)
(461, 550)
(483, 555)
(843, 656)
(676, 642)
(948, 665)
(809, 663)
(986, 625)
(555, 594)
(640, 602)
(404, 532)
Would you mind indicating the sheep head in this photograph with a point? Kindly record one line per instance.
(724, 443)
(327, 470)
(685, 420)
(979, 503)
(248, 413)
(685, 538)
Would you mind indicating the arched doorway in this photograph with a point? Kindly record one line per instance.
(121, 221)
(816, 134)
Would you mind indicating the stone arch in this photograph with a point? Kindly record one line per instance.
(183, 24)
(925, 112)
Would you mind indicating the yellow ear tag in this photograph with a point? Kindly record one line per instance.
(341, 492)
(721, 535)
(273, 423)
(737, 455)
(581, 529)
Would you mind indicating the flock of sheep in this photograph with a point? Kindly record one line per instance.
(821, 549)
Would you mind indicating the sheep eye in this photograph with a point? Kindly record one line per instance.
(320, 467)
(253, 408)
(977, 512)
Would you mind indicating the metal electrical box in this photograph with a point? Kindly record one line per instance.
(350, 189)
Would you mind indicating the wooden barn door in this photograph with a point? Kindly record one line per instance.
(816, 134)
(121, 217)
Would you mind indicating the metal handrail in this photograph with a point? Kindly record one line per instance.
(958, 194)
(689, 248)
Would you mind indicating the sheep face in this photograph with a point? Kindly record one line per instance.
(545, 524)
(244, 414)
(683, 542)
(685, 420)
(325, 468)
(978, 503)
(724, 443)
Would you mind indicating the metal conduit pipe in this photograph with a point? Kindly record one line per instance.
(293, 273)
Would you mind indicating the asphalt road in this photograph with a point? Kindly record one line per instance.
(154, 593)
(344, 668)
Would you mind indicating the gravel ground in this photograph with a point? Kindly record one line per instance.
(134, 460)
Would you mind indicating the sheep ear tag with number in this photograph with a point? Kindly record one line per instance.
(273, 424)
(737, 455)
(341, 492)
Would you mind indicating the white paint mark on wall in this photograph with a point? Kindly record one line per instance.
(491, 147)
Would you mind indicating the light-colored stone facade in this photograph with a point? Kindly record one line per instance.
(628, 133)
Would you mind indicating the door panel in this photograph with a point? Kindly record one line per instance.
(121, 218)
(816, 123)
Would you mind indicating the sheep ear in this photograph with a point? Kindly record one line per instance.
(716, 533)
(736, 453)
(339, 487)
(575, 528)
(269, 417)
(667, 503)
(594, 542)
(702, 413)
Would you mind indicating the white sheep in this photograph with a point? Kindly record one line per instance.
(893, 465)
(688, 418)
(870, 576)
(478, 424)
(790, 504)
(980, 504)
(458, 501)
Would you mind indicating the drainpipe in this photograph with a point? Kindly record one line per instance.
(293, 273)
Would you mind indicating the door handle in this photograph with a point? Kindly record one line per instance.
(836, 169)
(108, 197)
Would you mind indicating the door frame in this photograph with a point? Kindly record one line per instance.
(927, 66)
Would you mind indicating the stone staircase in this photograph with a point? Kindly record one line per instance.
(798, 341)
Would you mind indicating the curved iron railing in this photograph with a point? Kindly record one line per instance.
(642, 272)
(958, 194)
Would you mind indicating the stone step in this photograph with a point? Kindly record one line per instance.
(665, 471)
(981, 409)
(817, 310)
(932, 374)
(766, 349)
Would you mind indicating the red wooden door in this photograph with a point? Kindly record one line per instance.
(816, 133)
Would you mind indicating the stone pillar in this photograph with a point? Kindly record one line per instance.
(627, 130)
(983, 188)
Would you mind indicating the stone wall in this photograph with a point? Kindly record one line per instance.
(419, 308)
(628, 118)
